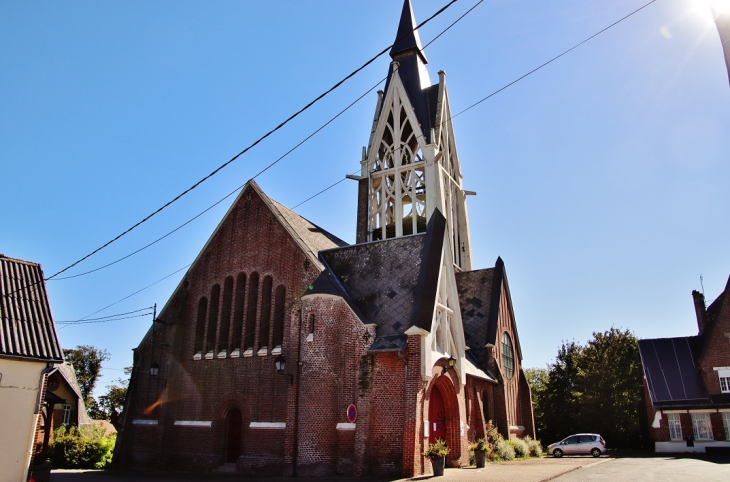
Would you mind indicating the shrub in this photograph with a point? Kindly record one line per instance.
(85, 448)
(493, 435)
(535, 447)
(521, 448)
(504, 450)
(435, 450)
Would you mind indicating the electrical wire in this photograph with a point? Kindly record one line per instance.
(255, 143)
(108, 316)
(100, 321)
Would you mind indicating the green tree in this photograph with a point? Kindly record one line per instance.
(610, 383)
(560, 402)
(86, 360)
(112, 403)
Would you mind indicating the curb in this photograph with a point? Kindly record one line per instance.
(555, 476)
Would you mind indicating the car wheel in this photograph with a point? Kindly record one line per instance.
(557, 453)
(596, 453)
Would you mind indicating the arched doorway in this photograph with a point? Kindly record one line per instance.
(436, 416)
(234, 425)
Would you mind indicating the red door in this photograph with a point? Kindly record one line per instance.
(233, 436)
(436, 416)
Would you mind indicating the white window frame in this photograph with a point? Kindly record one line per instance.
(675, 426)
(66, 414)
(726, 424)
(723, 374)
(701, 426)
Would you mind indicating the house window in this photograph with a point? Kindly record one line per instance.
(66, 414)
(701, 426)
(508, 360)
(724, 381)
(675, 427)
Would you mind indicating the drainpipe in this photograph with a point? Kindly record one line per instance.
(39, 401)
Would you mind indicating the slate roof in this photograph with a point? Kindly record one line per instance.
(406, 51)
(475, 296)
(480, 294)
(670, 370)
(392, 283)
(26, 324)
(314, 239)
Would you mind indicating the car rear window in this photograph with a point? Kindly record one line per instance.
(588, 438)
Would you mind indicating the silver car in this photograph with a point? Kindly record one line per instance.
(579, 444)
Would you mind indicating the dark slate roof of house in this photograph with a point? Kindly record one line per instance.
(315, 238)
(388, 343)
(392, 283)
(26, 324)
(670, 370)
(475, 297)
(480, 294)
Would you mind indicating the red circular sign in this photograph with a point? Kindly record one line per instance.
(351, 413)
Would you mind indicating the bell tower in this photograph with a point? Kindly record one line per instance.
(410, 166)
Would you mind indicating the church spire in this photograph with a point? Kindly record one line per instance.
(407, 38)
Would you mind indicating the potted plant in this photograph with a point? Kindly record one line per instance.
(481, 450)
(437, 452)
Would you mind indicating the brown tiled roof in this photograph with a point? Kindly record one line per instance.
(475, 295)
(26, 324)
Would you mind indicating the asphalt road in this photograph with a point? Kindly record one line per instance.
(650, 469)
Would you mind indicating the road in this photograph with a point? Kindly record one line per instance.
(650, 469)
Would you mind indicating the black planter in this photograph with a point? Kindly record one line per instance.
(481, 459)
(438, 465)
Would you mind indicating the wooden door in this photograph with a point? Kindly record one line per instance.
(234, 426)
(436, 416)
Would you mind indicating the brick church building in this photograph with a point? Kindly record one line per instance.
(284, 350)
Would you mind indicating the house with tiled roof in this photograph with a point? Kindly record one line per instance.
(687, 383)
(284, 350)
(29, 348)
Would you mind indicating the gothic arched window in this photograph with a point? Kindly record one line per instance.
(265, 313)
(253, 298)
(215, 294)
(279, 309)
(226, 314)
(238, 311)
(200, 326)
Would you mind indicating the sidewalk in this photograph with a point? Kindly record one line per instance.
(532, 470)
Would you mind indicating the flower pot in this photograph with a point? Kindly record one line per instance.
(438, 465)
(481, 458)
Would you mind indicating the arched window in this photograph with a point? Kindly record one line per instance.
(226, 314)
(508, 359)
(253, 298)
(200, 327)
(238, 311)
(265, 313)
(215, 294)
(279, 309)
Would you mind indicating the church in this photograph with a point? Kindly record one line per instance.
(285, 350)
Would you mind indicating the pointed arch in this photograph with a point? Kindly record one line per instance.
(210, 340)
(225, 315)
(279, 309)
(265, 324)
(253, 298)
(200, 326)
(396, 169)
(238, 312)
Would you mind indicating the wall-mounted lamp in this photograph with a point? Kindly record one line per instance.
(451, 362)
(280, 364)
(154, 370)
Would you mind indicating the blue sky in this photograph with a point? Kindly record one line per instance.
(601, 179)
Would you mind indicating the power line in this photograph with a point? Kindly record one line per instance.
(109, 316)
(218, 169)
(500, 89)
(101, 321)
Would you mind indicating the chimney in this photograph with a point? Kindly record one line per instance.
(700, 310)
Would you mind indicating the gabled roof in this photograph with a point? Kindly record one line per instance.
(66, 370)
(26, 325)
(308, 236)
(392, 283)
(670, 371)
(480, 294)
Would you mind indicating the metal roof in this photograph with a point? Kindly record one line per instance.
(26, 324)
